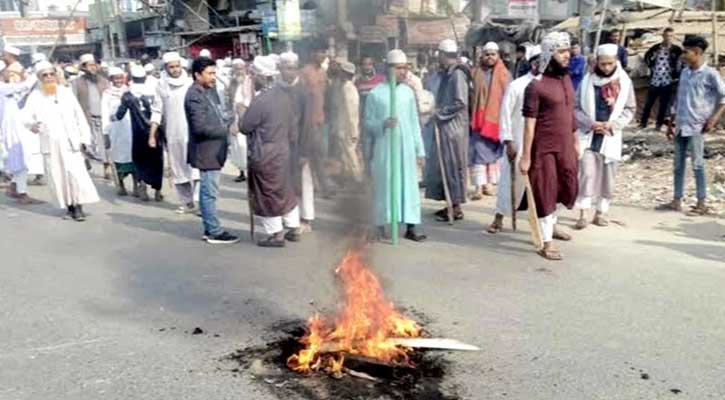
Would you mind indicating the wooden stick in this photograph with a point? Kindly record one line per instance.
(446, 191)
(414, 343)
(360, 375)
(533, 217)
(512, 167)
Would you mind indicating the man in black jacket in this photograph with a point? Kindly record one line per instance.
(209, 129)
(663, 60)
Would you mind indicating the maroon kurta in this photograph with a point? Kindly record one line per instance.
(554, 162)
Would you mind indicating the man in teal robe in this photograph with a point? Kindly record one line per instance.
(378, 126)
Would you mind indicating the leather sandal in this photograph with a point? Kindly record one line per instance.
(563, 236)
(581, 223)
(551, 255)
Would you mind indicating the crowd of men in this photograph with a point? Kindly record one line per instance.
(551, 123)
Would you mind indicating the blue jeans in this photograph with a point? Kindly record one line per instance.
(208, 193)
(696, 145)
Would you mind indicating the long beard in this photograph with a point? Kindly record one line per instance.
(49, 89)
(93, 78)
(555, 69)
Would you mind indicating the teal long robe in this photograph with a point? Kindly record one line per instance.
(376, 144)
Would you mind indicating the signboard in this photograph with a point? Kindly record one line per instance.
(431, 32)
(43, 31)
(372, 34)
(289, 20)
(524, 9)
(389, 23)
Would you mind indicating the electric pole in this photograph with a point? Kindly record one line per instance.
(120, 29)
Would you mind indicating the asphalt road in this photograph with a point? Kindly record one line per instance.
(104, 309)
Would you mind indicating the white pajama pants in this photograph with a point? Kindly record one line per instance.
(546, 225)
(272, 225)
(307, 200)
(585, 203)
(20, 179)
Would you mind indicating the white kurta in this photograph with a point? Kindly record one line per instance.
(168, 107)
(119, 132)
(238, 143)
(22, 145)
(511, 128)
(62, 132)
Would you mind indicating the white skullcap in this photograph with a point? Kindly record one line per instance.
(12, 50)
(238, 61)
(227, 61)
(184, 63)
(205, 53)
(138, 71)
(114, 71)
(448, 46)
(149, 67)
(490, 46)
(43, 66)
(348, 67)
(2, 65)
(104, 64)
(289, 59)
(396, 56)
(170, 57)
(38, 57)
(550, 44)
(69, 70)
(274, 57)
(465, 60)
(608, 49)
(265, 66)
(86, 58)
(533, 51)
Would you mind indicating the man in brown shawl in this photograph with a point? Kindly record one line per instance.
(269, 124)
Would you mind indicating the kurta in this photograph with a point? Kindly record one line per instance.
(269, 124)
(453, 122)
(168, 110)
(311, 141)
(377, 140)
(346, 128)
(241, 97)
(118, 131)
(63, 130)
(512, 130)
(22, 145)
(149, 162)
(554, 162)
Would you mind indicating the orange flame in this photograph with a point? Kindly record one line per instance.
(363, 328)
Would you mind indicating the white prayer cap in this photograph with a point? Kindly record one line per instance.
(2, 65)
(396, 56)
(184, 63)
(227, 61)
(104, 64)
(11, 50)
(44, 66)
(205, 53)
(289, 59)
(38, 57)
(265, 66)
(238, 61)
(490, 46)
(138, 71)
(448, 46)
(115, 71)
(552, 42)
(348, 67)
(70, 70)
(275, 57)
(533, 51)
(465, 60)
(149, 68)
(170, 57)
(86, 58)
(608, 49)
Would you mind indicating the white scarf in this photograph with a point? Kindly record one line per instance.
(182, 80)
(612, 145)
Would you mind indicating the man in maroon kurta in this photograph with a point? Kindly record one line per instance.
(550, 153)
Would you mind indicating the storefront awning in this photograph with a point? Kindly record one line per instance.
(234, 29)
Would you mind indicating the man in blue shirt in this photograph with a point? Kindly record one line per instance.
(577, 64)
(699, 106)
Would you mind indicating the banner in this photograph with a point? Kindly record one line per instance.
(289, 20)
(525, 9)
(43, 31)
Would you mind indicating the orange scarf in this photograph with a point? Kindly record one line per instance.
(487, 101)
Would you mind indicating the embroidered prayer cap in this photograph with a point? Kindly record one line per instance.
(205, 53)
(11, 50)
(149, 68)
(396, 56)
(38, 57)
(348, 67)
(87, 58)
(448, 46)
(533, 52)
(115, 71)
(608, 50)
(170, 57)
(289, 59)
(552, 42)
(44, 66)
(138, 71)
(238, 61)
(490, 46)
(265, 66)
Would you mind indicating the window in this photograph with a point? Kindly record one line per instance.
(8, 5)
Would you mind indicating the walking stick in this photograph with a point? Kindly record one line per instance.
(394, 168)
(512, 167)
(250, 201)
(533, 217)
(446, 190)
(114, 172)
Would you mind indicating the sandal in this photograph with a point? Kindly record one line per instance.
(581, 224)
(600, 220)
(671, 206)
(551, 255)
(476, 197)
(271, 241)
(563, 236)
(700, 211)
(495, 228)
(457, 216)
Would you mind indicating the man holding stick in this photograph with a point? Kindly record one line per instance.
(549, 156)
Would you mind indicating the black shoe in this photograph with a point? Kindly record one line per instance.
(241, 178)
(271, 241)
(293, 235)
(78, 215)
(457, 216)
(69, 213)
(222, 238)
(416, 237)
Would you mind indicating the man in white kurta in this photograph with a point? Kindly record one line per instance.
(511, 128)
(346, 127)
(53, 112)
(168, 108)
(118, 132)
(241, 92)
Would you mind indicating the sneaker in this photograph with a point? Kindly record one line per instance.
(205, 236)
(187, 209)
(222, 238)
